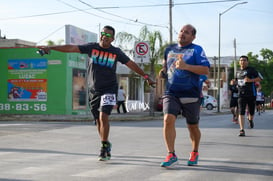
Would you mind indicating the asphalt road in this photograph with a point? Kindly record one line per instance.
(67, 151)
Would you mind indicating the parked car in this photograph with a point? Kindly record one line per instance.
(209, 102)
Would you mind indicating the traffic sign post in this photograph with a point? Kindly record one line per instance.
(142, 56)
(142, 52)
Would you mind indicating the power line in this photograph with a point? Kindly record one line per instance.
(87, 11)
(50, 34)
(135, 21)
(77, 10)
(158, 5)
(113, 7)
(37, 15)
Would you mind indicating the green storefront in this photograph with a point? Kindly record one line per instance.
(49, 84)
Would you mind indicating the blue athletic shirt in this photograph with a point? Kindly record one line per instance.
(183, 83)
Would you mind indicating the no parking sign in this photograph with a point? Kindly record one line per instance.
(142, 52)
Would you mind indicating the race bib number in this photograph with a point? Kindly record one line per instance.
(108, 99)
(241, 82)
(235, 95)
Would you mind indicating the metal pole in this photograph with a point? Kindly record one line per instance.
(219, 61)
(214, 75)
(219, 54)
(170, 20)
(235, 58)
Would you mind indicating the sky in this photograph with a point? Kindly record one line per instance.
(251, 24)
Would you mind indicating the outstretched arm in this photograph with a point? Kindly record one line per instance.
(61, 48)
(133, 66)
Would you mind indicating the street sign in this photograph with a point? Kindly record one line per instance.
(142, 52)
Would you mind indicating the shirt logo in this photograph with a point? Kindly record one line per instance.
(103, 58)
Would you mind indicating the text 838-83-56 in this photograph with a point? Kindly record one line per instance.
(22, 107)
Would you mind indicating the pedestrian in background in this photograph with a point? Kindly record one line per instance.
(183, 64)
(121, 100)
(102, 79)
(260, 100)
(246, 76)
(233, 104)
(203, 78)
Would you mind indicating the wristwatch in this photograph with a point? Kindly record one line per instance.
(146, 76)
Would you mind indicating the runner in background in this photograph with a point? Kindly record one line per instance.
(247, 77)
(233, 93)
(260, 100)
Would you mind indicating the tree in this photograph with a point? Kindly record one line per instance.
(267, 54)
(123, 39)
(265, 67)
(50, 42)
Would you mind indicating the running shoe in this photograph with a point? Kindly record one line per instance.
(193, 160)
(170, 161)
(105, 152)
(251, 123)
(108, 152)
(242, 133)
(235, 120)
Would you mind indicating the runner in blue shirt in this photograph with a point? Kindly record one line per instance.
(183, 64)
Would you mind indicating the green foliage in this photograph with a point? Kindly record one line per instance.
(267, 54)
(51, 43)
(265, 67)
(126, 41)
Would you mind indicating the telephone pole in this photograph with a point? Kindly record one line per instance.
(170, 20)
(235, 59)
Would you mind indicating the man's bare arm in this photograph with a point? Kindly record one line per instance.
(61, 48)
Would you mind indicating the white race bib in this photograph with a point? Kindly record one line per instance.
(108, 99)
(241, 82)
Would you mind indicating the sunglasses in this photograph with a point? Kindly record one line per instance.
(108, 35)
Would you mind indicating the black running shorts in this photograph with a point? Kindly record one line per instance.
(191, 111)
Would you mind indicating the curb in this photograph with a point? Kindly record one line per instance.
(80, 118)
(131, 116)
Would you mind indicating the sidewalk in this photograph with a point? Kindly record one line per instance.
(113, 117)
(130, 116)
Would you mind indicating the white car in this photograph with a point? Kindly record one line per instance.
(209, 102)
